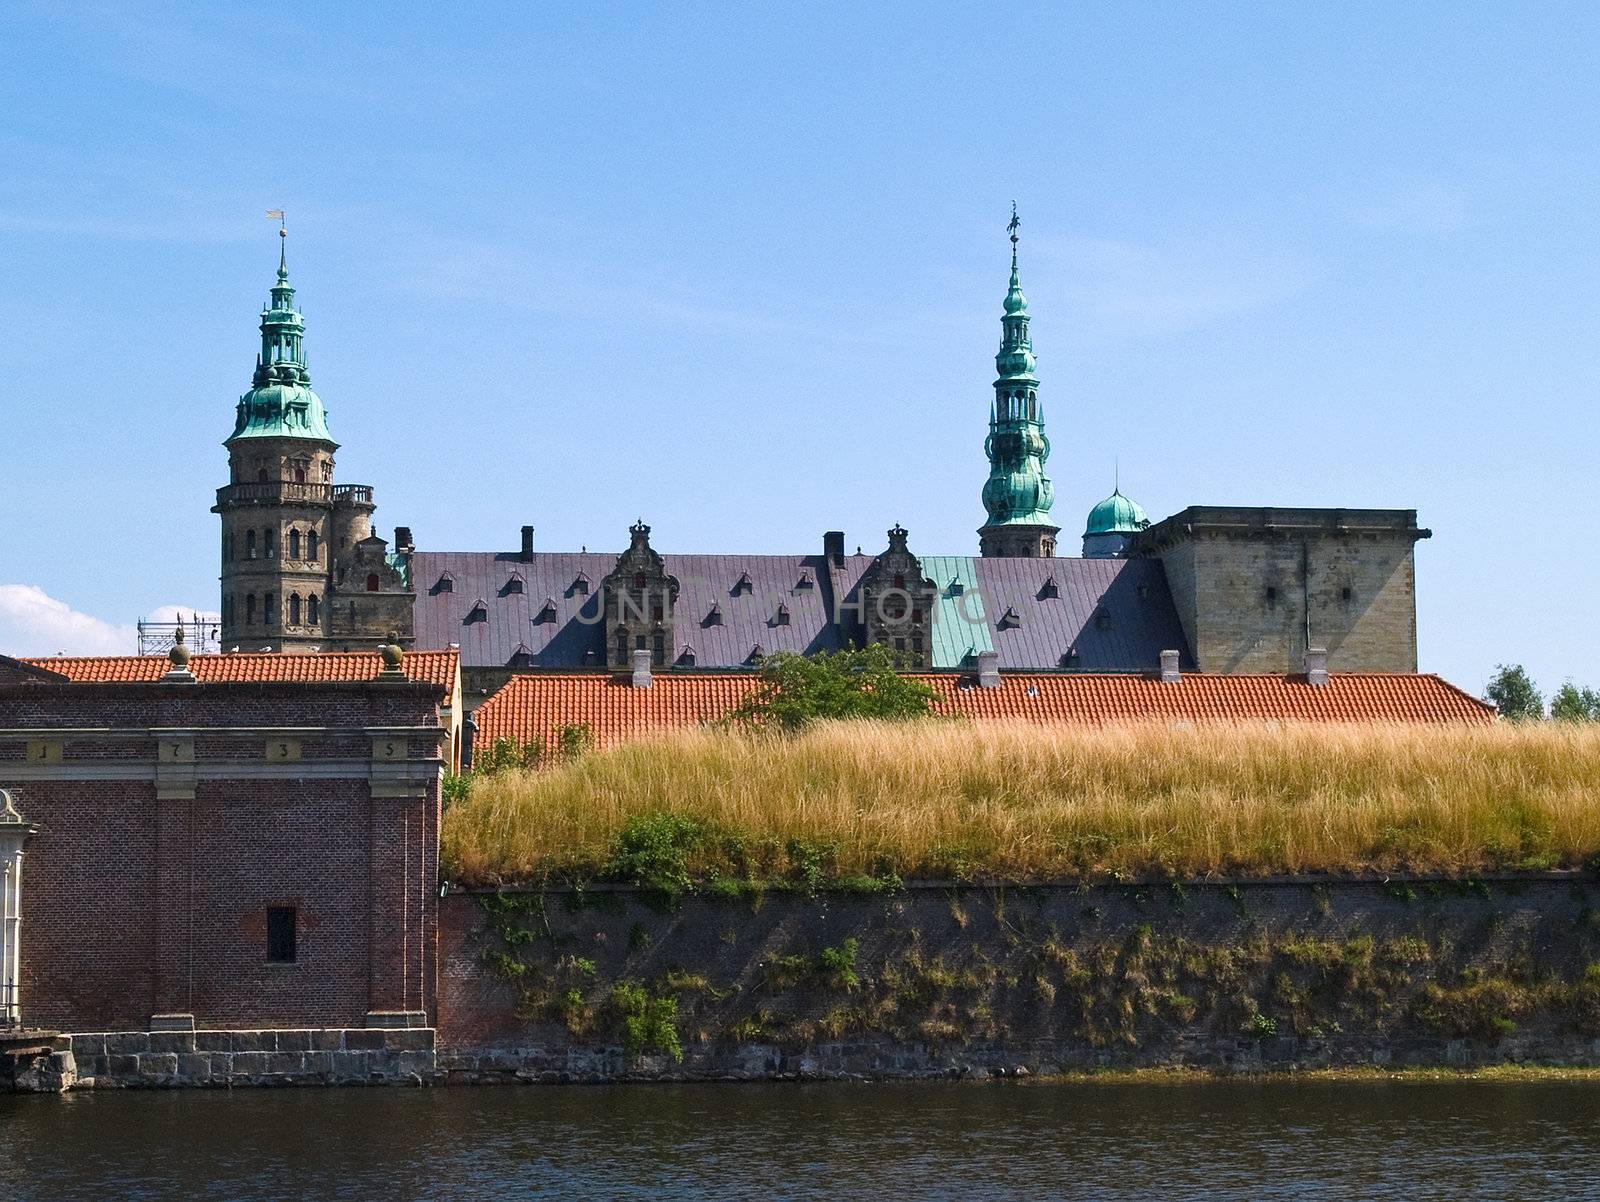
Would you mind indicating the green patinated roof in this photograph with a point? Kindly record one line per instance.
(280, 403)
(281, 411)
(961, 626)
(1117, 514)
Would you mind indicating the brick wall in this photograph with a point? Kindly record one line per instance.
(167, 832)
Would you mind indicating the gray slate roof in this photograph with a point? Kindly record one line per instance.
(502, 609)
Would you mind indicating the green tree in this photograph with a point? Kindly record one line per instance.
(1572, 704)
(1515, 694)
(796, 690)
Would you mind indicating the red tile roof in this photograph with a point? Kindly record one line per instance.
(538, 704)
(434, 667)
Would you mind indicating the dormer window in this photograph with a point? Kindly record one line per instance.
(781, 618)
(579, 585)
(1102, 620)
(1009, 620)
(956, 589)
(714, 617)
(686, 657)
(512, 585)
(445, 584)
(547, 612)
(478, 613)
(757, 654)
(804, 582)
(742, 585)
(1048, 589)
(1069, 658)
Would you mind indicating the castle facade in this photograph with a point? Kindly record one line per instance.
(1230, 589)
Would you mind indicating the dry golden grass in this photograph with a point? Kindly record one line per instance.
(1028, 802)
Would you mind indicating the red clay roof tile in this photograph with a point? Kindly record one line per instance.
(434, 667)
(538, 704)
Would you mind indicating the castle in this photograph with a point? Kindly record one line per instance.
(1230, 589)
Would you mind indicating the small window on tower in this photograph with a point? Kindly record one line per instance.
(311, 545)
(1272, 597)
(312, 615)
(294, 609)
(249, 544)
(1346, 594)
(281, 935)
(294, 544)
(372, 582)
(250, 609)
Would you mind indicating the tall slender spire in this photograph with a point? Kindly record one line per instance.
(1018, 494)
(280, 401)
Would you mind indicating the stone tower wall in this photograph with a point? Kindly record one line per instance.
(1245, 581)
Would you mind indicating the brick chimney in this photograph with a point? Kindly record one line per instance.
(527, 544)
(1317, 666)
(833, 547)
(402, 540)
(1169, 667)
(988, 669)
(641, 669)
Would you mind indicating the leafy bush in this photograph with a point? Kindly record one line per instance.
(797, 690)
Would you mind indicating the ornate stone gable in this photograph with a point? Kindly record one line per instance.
(896, 602)
(638, 598)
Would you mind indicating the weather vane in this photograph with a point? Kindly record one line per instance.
(1016, 224)
(283, 231)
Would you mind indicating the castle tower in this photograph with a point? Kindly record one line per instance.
(1018, 494)
(287, 529)
(638, 598)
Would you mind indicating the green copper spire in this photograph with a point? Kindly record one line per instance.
(280, 403)
(1017, 493)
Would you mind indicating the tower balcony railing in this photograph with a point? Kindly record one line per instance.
(288, 492)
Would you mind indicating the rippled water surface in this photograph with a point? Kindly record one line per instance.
(1412, 1140)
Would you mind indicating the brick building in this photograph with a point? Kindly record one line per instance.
(228, 848)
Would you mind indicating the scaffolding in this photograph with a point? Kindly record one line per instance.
(202, 634)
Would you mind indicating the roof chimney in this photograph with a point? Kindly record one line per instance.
(402, 540)
(1169, 667)
(1317, 666)
(527, 543)
(988, 669)
(641, 669)
(833, 547)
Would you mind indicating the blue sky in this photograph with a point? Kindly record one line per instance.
(740, 272)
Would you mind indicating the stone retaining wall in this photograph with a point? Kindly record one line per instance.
(222, 1059)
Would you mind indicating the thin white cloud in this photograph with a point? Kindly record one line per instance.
(34, 623)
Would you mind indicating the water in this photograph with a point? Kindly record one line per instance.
(1411, 1140)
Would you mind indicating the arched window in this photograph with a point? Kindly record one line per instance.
(372, 582)
(294, 544)
(250, 610)
(269, 609)
(311, 545)
(269, 543)
(249, 544)
(312, 616)
(294, 609)
(622, 647)
(299, 475)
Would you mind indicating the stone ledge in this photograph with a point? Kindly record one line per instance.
(227, 1059)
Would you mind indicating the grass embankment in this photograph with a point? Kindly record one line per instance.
(864, 801)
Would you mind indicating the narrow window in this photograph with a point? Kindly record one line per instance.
(250, 609)
(269, 543)
(294, 609)
(622, 647)
(1346, 593)
(249, 544)
(899, 581)
(372, 582)
(311, 545)
(280, 934)
(916, 646)
(294, 544)
(312, 615)
(658, 655)
(269, 609)
(638, 580)
(899, 644)
(638, 642)
(1272, 597)
(299, 475)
